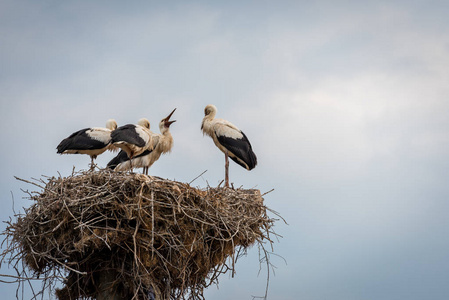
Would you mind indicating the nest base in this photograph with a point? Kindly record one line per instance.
(135, 236)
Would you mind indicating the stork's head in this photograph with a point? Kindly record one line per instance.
(210, 111)
(111, 124)
(165, 122)
(144, 123)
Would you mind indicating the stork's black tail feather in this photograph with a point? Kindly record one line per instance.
(252, 162)
(121, 157)
(63, 145)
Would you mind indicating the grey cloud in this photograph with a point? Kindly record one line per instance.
(345, 107)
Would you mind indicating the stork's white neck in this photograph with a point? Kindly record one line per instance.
(164, 130)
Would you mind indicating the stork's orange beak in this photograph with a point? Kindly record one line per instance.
(167, 119)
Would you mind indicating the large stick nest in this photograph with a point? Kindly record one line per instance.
(135, 235)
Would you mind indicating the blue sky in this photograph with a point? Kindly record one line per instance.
(345, 103)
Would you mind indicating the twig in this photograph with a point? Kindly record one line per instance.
(197, 177)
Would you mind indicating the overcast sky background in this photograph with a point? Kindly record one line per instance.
(346, 104)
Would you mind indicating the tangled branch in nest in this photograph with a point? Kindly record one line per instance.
(134, 235)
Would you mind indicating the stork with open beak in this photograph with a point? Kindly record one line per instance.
(229, 139)
(133, 139)
(92, 141)
(161, 144)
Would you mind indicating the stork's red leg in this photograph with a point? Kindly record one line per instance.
(131, 163)
(92, 166)
(226, 170)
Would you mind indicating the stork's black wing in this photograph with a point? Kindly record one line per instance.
(241, 148)
(127, 134)
(80, 140)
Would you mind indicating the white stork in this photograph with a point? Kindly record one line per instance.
(229, 139)
(162, 143)
(133, 139)
(92, 141)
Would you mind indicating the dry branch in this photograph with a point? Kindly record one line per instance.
(133, 235)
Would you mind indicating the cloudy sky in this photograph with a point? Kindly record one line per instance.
(346, 104)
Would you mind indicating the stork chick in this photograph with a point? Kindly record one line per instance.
(92, 141)
(229, 139)
(162, 143)
(133, 139)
